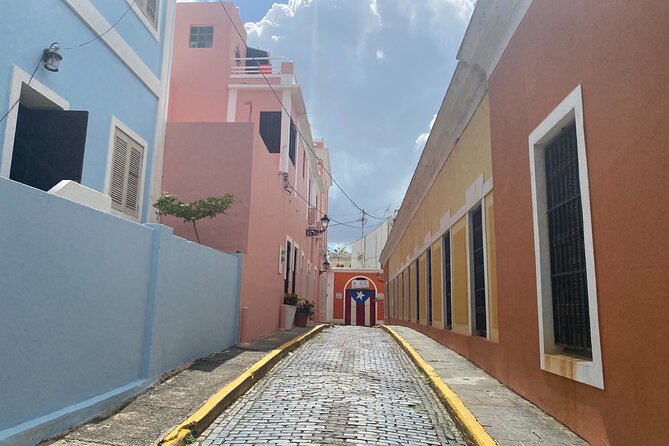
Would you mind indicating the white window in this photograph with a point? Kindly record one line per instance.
(564, 256)
(127, 166)
(150, 10)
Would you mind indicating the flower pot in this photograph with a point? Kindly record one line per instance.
(288, 316)
(301, 319)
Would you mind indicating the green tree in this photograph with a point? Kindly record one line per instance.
(192, 212)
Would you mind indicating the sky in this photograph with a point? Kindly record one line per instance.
(373, 75)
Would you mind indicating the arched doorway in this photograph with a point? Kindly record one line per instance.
(360, 302)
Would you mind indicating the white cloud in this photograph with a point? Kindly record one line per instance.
(422, 138)
(369, 102)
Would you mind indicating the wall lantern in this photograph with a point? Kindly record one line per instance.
(326, 265)
(51, 57)
(325, 221)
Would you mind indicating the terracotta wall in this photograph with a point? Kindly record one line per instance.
(341, 278)
(617, 52)
(211, 159)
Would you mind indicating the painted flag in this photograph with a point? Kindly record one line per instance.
(360, 296)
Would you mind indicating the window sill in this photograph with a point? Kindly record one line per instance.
(574, 368)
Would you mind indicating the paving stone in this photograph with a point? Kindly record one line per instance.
(349, 385)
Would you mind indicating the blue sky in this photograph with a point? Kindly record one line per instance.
(373, 74)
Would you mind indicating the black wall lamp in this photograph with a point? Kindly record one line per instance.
(325, 221)
(51, 57)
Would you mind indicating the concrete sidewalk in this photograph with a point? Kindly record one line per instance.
(506, 416)
(156, 411)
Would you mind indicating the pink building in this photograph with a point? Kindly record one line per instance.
(228, 132)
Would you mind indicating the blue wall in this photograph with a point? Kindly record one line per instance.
(95, 308)
(91, 78)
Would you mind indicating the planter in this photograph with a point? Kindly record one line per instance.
(288, 316)
(301, 319)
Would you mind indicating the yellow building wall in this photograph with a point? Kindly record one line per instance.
(437, 296)
(469, 159)
(422, 288)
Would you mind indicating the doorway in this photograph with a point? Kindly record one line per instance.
(49, 142)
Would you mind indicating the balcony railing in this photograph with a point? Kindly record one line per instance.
(259, 66)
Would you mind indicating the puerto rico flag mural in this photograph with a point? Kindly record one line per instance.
(360, 307)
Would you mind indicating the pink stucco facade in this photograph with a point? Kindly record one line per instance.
(214, 146)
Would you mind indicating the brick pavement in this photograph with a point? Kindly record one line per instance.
(349, 385)
(510, 419)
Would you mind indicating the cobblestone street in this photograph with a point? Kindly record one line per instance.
(349, 385)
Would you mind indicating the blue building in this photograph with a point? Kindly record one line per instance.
(92, 292)
(100, 119)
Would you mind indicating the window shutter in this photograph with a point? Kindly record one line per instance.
(134, 172)
(117, 185)
(151, 10)
(126, 174)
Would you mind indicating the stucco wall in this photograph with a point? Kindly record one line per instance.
(339, 279)
(616, 53)
(205, 159)
(95, 308)
(91, 78)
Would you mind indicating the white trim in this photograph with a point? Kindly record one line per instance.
(99, 25)
(158, 153)
(569, 110)
(486, 280)
(368, 303)
(232, 104)
(114, 124)
(476, 191)
(19, 78)
(149, 26)
(286, 119)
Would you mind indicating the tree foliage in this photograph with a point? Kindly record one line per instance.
(194, 211)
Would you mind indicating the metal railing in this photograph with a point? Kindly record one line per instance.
(256, 66)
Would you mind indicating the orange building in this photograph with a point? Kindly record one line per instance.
(558, 286)
(355, 296)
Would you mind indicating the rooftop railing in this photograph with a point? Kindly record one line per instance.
(258, 66)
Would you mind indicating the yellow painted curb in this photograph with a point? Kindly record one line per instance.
(467, 422)
(221, 400)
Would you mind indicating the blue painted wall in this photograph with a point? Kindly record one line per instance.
(95, 308)
(91, 78)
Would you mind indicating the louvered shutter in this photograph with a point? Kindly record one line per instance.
(126, 173)
(150, 10)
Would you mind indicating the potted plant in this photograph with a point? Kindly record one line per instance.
(305, 311)
(289, 307)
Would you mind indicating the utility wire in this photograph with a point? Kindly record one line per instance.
(97, 36)
(286, 110)
(19, 99)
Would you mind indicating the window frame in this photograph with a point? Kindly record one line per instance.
(480, 206)
(137, 6)
(190, 36)
(552, 358)
(118, 124)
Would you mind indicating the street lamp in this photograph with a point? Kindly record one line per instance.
(325, 221)
(51, 57)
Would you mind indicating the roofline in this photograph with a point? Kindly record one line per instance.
(489, 32)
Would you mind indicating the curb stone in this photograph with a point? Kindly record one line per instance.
(466, 421)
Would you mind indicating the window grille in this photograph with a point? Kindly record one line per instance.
(447, 281)
(478, 267)
(571, 319)
(428, 274)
